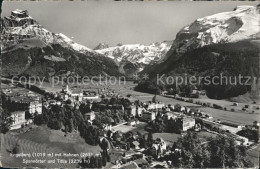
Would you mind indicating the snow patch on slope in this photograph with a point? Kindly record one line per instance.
(74, 45)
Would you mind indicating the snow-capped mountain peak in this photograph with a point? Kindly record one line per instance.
(101, 46)
(19, 25)
(75, 46)
(241, 23)
(20, 13)
(30, 49)
(137, 53)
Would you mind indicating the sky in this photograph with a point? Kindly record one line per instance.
(92, 22)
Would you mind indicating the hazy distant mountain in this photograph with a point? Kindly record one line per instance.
(134, 57)
(31, 49)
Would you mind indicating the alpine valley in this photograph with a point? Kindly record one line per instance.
(226, 43)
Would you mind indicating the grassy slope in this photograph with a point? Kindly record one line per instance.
(43, 139)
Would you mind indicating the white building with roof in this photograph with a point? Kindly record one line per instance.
(18, 119)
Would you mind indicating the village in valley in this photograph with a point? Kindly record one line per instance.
(151, 85)
(119, 127)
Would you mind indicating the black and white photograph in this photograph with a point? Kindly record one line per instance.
(129, 84)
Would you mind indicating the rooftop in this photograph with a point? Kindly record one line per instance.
(18, 92)
(130, 165)
(18, 112)
(23, 99)
(76, 91)
(188, 119)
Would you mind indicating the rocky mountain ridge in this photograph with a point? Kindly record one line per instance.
(30, 49)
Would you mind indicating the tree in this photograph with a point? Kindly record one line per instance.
(192, 153)
(108, 158)
(92, 162)
(97, 122)
(109, 133)
(177, 107)
(113, 100)
(104, 144)
(154, 100)
(38, 119)
(174, 89)
(68, 101)
(105, 120)
(158, 125)
(71, 125)
(46, 115)
(6, 120)
(199, 121)
(142, 141)
(137, 102)
(102, 97)
(54, 124)
(85, 108)
(154, 153)
(186, 89)
(128, 146)
(219, 152)
(28, 115)
(148, 87)
(250, 134)
(16, 149)
(90, 138)
(225, 153)
(85, 163)
(99, 162)
(104, 161)
(150, 139)
(78, 119)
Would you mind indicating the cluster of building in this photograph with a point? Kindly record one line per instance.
(77, 94)
(158, 148)
(20, 101)
(133, 160)
(148, 112)
(145, 111)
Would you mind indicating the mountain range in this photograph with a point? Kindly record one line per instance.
(240, 24)
(30, 49)
(133, 58)
(227, 43)
(44, 53)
